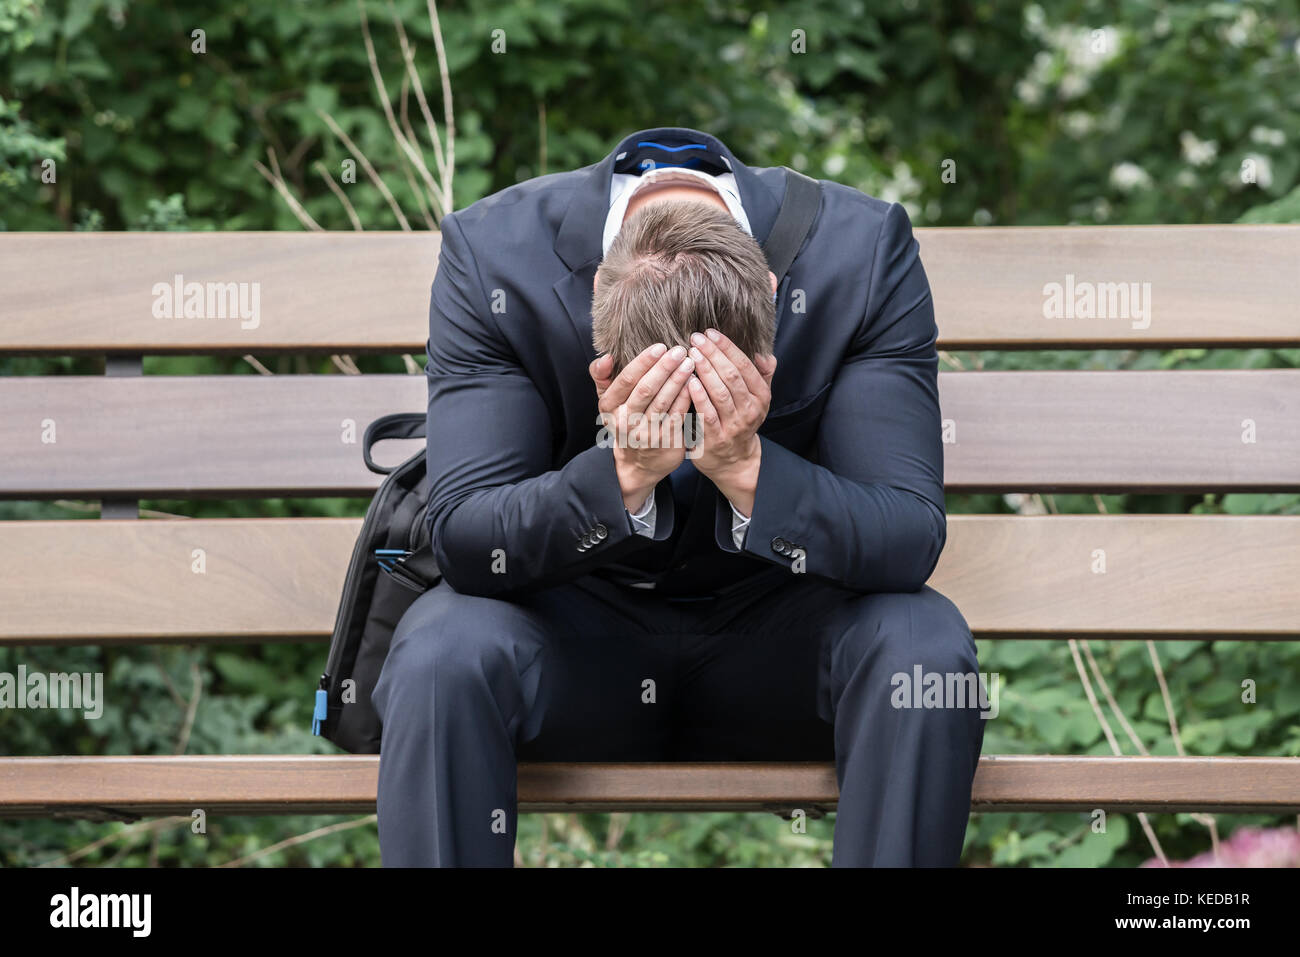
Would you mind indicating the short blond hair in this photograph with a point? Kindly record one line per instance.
(677, 267)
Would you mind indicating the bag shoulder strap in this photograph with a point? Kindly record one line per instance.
(798, 210)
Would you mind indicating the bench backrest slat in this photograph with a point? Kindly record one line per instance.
(68, 293)
(175, 436)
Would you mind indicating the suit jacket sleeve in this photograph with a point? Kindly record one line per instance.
(501, 517)
(869, 514)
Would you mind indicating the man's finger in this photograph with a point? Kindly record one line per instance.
(622, 386)
(754, 380)
(666, 423)
(704, 408)
(766, 366)
(673, 387)
(736, 383)
(682, 404)
(719, 395)
(601, 371)
(644, 392)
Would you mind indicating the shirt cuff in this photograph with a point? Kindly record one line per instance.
(643, 521)
(739, 526)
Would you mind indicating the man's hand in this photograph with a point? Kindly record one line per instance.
(731, 395)
(644, 408)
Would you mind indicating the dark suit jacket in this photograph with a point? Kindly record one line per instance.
(852, 460)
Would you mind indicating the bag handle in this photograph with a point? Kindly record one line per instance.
(399, 425)
(799, 208)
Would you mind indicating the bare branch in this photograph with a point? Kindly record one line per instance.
(337, 190)
(360, 157)
(1209, 820)
(345, 365)
(252, 361)
(303, 216)
(1114, 745)
(130, 830)
(378, 78)
(449, 120)
(1092, 698)
(1164, 694)
(408, 56)
(196, 682)
(167, 679)
(301, 839)
(1110, 700)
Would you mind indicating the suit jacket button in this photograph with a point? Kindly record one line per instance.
(780, 546)
(601, 532)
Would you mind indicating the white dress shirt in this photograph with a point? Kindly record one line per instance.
(643, 521)
(621, 187)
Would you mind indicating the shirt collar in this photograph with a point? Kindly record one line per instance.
(623, 185)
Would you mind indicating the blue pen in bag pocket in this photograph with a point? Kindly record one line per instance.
(388, 557)
(321, 712)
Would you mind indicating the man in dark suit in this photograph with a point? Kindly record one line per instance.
(760, 599)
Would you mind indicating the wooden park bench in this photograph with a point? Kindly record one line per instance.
(124, 436)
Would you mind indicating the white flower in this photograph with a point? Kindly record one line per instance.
(1267, 135)
(1129, 176)
(1238, 32)
(903, 185)
(1073, 84)
(1032, 93)
(1078, 123)
(1198, 152)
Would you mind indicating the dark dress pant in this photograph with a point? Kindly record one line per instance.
(778, 669)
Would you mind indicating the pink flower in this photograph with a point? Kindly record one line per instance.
(1248, 847)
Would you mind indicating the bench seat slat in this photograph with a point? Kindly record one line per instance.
(106, 581)
(107, 787)
(192, 436)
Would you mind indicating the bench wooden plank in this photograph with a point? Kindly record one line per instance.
(184, 436)
(187, 436)
(1220, 285)
(121, 787)
(1167, 576)
(1122, 431)
(72, 293)
(1215, 286)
